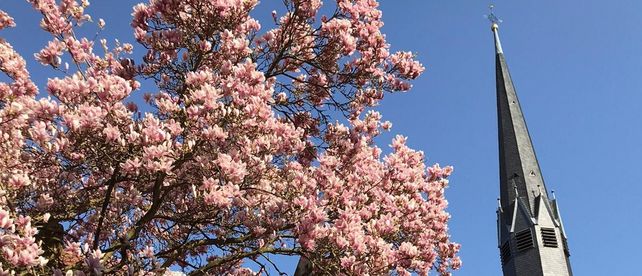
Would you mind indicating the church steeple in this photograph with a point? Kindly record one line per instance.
(531, 237)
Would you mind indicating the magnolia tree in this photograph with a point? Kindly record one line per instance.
(254, 143)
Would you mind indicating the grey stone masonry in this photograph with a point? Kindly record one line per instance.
(531, 237)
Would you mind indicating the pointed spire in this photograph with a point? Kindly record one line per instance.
(520, 174)
(523, 195)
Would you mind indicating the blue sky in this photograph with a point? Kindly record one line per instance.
(577, 67)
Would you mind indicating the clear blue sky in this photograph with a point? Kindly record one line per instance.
(577, 67)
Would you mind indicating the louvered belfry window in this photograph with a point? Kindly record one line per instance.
(549, 237)
(505, 252)
(524, 239)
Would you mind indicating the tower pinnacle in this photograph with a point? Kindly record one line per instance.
(532, 240)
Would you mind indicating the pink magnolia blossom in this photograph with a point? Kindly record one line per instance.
(51, 54)
(6, 20)
(238, 151)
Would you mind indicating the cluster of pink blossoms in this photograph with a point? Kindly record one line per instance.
(6, 20)
(253, 143)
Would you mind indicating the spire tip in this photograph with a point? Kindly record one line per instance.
(494, 20)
